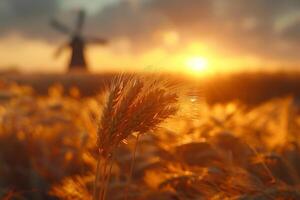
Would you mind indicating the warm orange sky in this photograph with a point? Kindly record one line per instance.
(192, 36)
(30, 55)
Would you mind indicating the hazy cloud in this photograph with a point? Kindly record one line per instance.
(27, 17)
(292, 32)
(243, 26)
(140, 23)
(251, 26)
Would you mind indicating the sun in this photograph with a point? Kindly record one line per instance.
(197, 64)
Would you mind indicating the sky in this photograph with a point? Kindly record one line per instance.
(155, 35)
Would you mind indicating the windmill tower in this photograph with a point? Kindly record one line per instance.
(77, 43)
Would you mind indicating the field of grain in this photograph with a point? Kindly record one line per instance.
(141, 139)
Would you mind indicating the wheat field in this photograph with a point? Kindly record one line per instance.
(143, 139)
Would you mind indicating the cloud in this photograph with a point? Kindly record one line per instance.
(292, 32)
(243, 26)
(239, 26)
(180, 13)
(250, 27)
(28, 18)
(141, 23)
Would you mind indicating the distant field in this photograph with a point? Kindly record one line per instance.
(57, 147)
(88, 84)
(251, 88)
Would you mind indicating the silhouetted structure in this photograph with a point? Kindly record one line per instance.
(77, 43)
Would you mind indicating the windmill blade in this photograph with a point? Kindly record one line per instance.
(59, 26)
(80, 21)
(100, 41)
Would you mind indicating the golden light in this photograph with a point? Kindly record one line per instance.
(197, 64)
(170, 38)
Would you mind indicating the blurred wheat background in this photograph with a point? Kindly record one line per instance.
(158, 142)
(149, 100)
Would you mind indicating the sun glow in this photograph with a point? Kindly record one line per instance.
(197, 64)
(194, 59)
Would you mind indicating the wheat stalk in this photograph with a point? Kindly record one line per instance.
(134, 105)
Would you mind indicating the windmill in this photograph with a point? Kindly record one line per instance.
(77, 43)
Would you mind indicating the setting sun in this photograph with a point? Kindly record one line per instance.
(197, 64)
